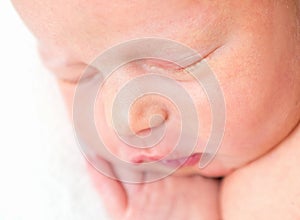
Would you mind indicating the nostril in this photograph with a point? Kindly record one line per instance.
(144, 132)
(143, 127)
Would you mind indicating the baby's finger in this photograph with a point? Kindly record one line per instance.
(133, 180)
(111, 191)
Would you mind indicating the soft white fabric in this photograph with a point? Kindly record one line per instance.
(43, 174)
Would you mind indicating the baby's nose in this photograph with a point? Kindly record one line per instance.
(135, 108)
(146, 114)
(136, 113)
(143, 125)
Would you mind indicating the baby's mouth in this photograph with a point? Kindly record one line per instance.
(182, 161)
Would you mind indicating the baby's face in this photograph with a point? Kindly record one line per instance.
(253, 47)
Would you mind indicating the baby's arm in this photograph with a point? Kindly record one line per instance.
(268, 188)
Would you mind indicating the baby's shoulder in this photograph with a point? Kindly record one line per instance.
(268, 186)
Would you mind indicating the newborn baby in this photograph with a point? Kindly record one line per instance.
(253, 48)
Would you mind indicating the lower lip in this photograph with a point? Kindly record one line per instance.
(182, 162)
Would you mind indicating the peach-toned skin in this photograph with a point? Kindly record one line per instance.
(253, 47)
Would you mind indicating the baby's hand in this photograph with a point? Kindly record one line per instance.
(176, 198)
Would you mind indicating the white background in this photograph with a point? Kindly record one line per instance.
(42, 173)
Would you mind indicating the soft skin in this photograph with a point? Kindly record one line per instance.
(253, 47)
(267, 188)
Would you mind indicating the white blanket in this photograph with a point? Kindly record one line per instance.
(43, 174)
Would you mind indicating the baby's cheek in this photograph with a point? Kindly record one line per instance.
(259, 93)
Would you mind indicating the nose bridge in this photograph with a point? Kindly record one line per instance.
(145, 112)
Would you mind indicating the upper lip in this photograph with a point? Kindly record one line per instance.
(145, 158)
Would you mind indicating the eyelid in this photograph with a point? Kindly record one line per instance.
(183, 72)
(73, 72)
(162, 71)
(177, 72)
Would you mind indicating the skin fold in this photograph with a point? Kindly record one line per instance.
(253, 48)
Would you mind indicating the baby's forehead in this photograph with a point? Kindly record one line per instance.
(105, 15)
(80, 30)
(87, 28)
